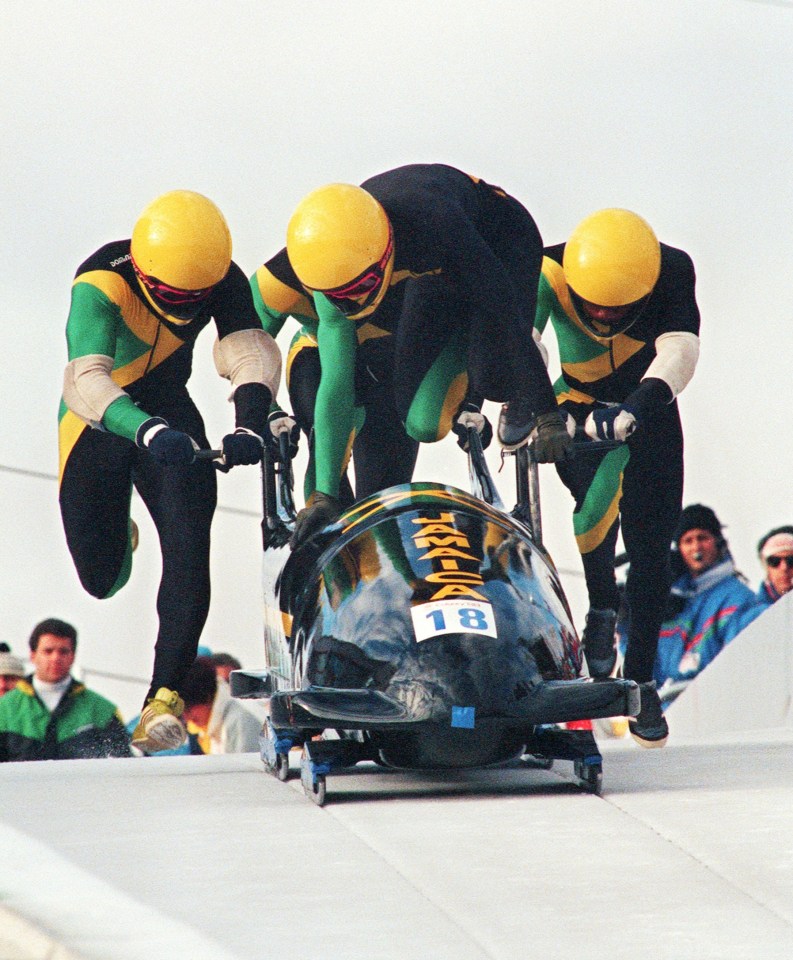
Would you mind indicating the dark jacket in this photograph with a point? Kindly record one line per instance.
(83, 725)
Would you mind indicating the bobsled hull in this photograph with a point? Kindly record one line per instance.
(433, 622)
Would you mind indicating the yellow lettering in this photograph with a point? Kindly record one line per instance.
(454, 576)
(459, 540)
(447, 552)
(456, 590)
(443, 518)
(436, 528)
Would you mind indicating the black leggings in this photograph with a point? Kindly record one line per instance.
(652, 491)
(503, 362)
(95, 495)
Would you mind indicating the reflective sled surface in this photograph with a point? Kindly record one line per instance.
(425, 629)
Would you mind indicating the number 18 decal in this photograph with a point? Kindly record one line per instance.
(452, 616)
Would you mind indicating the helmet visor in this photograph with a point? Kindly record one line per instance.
(184, 304)
(354, 297)
(606, 322)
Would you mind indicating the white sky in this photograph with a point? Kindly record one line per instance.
(678, 109)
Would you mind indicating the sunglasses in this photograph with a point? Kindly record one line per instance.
(347, 298)
(173, 296)
(775, 562)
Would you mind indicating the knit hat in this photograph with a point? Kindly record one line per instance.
(11, 666)
(775, 541)
(698, 517)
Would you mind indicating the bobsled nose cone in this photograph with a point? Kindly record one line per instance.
(418, 697)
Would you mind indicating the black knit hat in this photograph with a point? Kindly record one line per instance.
(698, 517)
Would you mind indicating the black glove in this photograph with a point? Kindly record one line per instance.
(552, 442)
(320, 510)
(621, 421)
(612, 423)
(171, 448)
(469, 415)
(242, 446)
(280, 422)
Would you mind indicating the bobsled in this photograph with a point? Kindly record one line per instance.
(426, 629)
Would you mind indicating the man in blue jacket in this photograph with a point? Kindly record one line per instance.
(710, 603)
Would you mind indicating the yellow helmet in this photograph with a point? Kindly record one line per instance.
(340, 243)
(612, 259)
(182, 240)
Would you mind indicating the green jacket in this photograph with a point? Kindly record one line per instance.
(83, 725)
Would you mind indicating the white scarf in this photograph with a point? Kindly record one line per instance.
(51, 693)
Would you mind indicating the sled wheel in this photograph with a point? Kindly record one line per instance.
(315, 791)
(590, 775)
(313, 782)
(282, 766)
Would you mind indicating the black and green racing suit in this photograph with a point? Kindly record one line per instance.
(638, 484)
(123, 351)
(455, 322)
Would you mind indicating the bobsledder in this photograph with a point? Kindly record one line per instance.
(426, 629)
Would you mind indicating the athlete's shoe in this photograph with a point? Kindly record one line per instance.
(159, 727)
(649, 728)
(515, 423)
(599, 642)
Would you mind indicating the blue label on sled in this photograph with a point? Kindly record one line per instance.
(463, 717)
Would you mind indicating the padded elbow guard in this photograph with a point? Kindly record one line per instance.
(88, 389)
(676, 358)
(249, 356)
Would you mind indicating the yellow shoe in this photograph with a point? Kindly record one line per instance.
(159, 727)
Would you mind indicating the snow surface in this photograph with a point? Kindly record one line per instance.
(688, 854)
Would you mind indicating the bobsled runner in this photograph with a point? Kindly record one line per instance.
(426, 629)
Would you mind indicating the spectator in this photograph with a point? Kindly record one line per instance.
(224, 725)
(11, 669)
(50, 716)
(709, 604)
(224, 663)
(775, 550)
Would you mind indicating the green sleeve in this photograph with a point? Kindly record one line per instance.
(272, 321)
(92, 323)
(124, 417)
(334, 409)
(91, 329)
